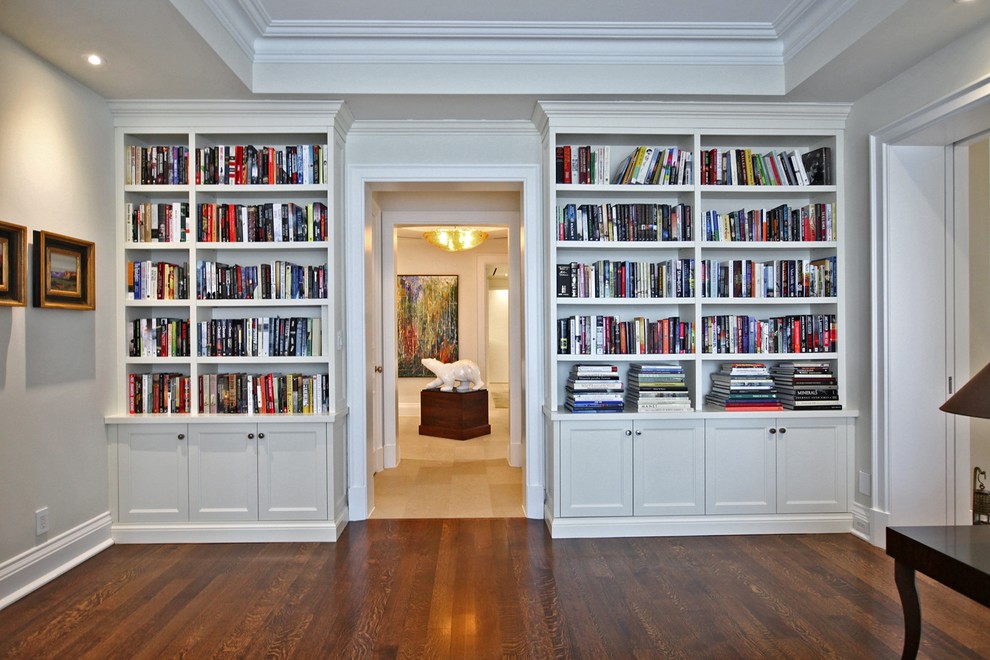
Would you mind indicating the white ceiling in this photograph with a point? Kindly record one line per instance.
(486, 59)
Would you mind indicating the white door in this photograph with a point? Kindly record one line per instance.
(669, 465)
(596, 477)
(375, 412)
(812, 469)
(292, 471)
(740, 472)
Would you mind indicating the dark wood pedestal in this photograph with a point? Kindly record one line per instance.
(455, 415)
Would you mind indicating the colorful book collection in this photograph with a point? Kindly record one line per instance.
(261, 223)
(657, 388)
(156, 280)
(278, 280)
(260, 337)
(624, 222)
(673, 278)
(608, 335)
(250, 165)
(158, 337)
(746, 167)
(263, 394)
(156, 165)
(156, 223)
(806, 385)
(780, 278)
(658, 166)
(744, 386)
(158, 393)
(799, 333)
(594, 388)
(811, 222)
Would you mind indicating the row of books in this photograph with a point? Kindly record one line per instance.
(744, 386)
(156, 165)
(263, 394)
(657, 388)
(156, 280)
(656, 166)
(158, 337)
(673, 278)
(624, 222)
(799, 333)
(594, 388)
(156, 223)
(811, 222)
(780, 278)
(745, 167)
(582, 164)
(260, 337)
(251, 165)
(241, 393)
(259, 223)
(806, 385)
(278, 280)
(609, 335)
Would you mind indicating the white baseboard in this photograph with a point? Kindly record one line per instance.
(828, 523)
(252, 532)
(38, 566)
(407, 409)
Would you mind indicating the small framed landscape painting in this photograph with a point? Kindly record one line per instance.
(13, 265)
(64, 272)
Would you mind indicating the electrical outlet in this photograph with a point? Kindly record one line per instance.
(865, 483)
(41, 521)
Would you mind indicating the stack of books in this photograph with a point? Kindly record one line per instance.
(657, 388)
(594, 388)
(744, 386)
(807, 386)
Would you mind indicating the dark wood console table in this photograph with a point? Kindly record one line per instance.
(458, 415)
(958, 557)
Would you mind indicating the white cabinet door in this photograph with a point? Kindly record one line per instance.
(740, 466)
(152, 473)
(596, 468)
(292, 471)
(223, 472)
(812, 472)
(669, 467)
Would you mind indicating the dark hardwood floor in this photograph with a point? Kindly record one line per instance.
(486, 589)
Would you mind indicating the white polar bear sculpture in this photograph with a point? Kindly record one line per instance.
(462, 372)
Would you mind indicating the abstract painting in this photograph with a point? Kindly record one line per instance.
(426, 322)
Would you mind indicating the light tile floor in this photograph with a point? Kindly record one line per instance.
(443, 478)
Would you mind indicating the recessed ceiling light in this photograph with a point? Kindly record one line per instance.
(94, 59)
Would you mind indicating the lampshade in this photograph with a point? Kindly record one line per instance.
(973, 398)
(455, 239)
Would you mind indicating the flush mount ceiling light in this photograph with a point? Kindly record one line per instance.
(456, 239)
(94, 59)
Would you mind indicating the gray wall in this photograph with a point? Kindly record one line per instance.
(56, 366)
(936, 77)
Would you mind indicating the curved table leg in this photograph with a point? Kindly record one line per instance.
(904, 579)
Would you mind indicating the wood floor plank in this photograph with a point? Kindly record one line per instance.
(489, 588)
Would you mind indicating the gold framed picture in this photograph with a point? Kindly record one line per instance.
(64, 272)
(13, 265)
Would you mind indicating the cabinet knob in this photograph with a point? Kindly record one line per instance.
(379, 369)
(783, 430)
(773, 431)
(250, 436)
(182, 436)
(639, 432)
(261, 436)
(628, 431)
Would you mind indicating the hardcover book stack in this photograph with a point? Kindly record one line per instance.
(657, 388)
(807, 386)
(594, 388)
(742, 386)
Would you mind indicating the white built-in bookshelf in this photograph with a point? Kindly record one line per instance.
(228, 263)
(698, 235)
